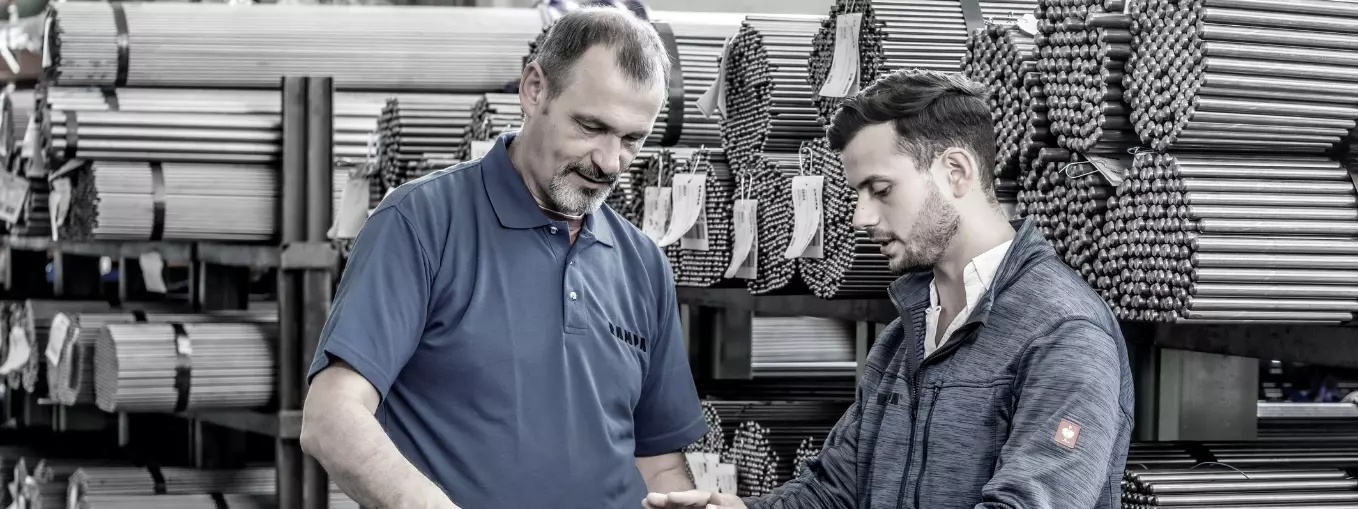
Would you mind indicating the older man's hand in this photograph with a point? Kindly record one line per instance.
(692, 500)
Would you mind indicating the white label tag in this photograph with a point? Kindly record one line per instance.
(29, 145)
(19, 351)
(713, 99)
(726, 478)
(1113, 170)
(744, 260)
(182, 345)
(13, 194)
(698, 466)
(46, 50)
(807, 209)
(688, 201)
(843, 78)
(353, 207)
(59, 204)
(56, 338)
(152, 266)
(1028, 24)
(695, 239)
(654, 219)
(481, 148)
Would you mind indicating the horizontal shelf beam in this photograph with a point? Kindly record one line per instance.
(299, 255)
(285, 424)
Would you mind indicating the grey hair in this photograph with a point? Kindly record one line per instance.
(640, 53)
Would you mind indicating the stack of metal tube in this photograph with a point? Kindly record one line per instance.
(901, 34)
(1083, 51)
(493, 115)
(769, 180)
(1236, 487)
(27, 325)
(119, 486)
(362, 47)
(805, 452)
(413, 131)
(801, 346)
(1081, 218)
(1240, 75)
(851, 265)
(774, 429)
(176, 367)
(755, 462)
(1042, 186)
(70, 381)
(1221, 237)
(1036, 125)
(1000, 57)
(768, 103)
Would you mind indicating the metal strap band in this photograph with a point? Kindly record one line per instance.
(122, 41)
(110, 97)
(139, 316)
(157, 201)
(220, 500)
(674, 118)
(157, 477)
(183, 368)
(971, 13)
(72, 141)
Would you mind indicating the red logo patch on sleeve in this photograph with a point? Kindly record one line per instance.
(1067, 434)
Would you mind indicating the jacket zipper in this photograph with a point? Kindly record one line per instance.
(947, 347)
(924, 455)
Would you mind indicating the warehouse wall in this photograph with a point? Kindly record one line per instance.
(755, 6)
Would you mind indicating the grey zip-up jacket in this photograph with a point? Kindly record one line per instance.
(1028, 405)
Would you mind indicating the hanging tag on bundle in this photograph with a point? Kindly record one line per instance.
(744, 262)
(807, 209)
(56, 338)
(152, 272)
(688, 203)
(726, 478)
(713, 99)
(652, 221)
(29, 145)
(481, 148)
(843, 78)
(695, 239)
(59, 204)
(1028, 24)
(1114, 170)
(13, 195)
(19, 350)
(46, 48)
(353, 207)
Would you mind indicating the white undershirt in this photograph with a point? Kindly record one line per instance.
(976, 278)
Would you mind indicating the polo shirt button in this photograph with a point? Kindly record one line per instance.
(573, 296)
(552, 229)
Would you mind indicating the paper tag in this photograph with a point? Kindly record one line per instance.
(1028, 24)
(59, 203)
(353, 207)
(13, 194)
(807, 209)
(56, 338)
(46, 50)
(654, 217)
(713, 99)
(695, 239)
(183, 346)
(843, 78)
(1113, 170)
(152, 267)
(726, 478)
(481, 148)
(688, 201)
(19, 351)
(744, 262)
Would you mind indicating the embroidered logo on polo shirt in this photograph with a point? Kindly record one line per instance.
(1067, 433)
(631, 338)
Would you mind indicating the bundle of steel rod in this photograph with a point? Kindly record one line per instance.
(1308, 421)
(805, 452)
(117, 200)
(1083, 51)
(70, 380)
(116, 484)
(700, 262)
(45, 480)
(784, 425)
(900, 34)
(801, 346)
(174, 367)
(852, 264)
(1000, 57)
(1006, 192)
(1233, 487)
(180, 45)
(712, 441)
(32, 319)
(1242, 75)
(1081, 221)
(492, 116)
(411, 130)
(769, 178)
(161, 136)
(1036, 126)
(768, 106)
(755, 462)
(214, 501)
(36, 220)
(1216, 237)
(1041, 188)
(659, 173)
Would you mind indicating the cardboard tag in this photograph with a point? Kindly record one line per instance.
(13, 195)
(481, 148)
(152, 268)
(183, 346)
(695, 239)
(744, 262)
(59, 203)
(653, 220)
(1113, 170)
(843, 78)
(713, 99)
(56, 338)
(19, 351)
(1028, 24)
(688, 201)
(353, 207)
(807, 212)
(726, 478)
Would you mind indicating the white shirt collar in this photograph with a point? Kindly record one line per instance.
(977, 278)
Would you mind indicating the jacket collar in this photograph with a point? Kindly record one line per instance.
(514, 204)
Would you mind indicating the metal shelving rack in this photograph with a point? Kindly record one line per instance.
(219, 278)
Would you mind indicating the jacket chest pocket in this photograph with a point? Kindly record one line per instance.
(962, 433)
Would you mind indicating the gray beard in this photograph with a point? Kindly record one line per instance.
(570, 199)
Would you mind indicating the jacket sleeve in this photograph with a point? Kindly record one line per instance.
(830, 480)
(1067, 422)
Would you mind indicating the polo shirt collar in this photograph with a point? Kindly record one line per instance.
(514, 204)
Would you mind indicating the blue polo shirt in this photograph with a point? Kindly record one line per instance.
(516, 370)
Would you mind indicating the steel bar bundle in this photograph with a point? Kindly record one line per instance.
(1036, 126)
(712, 441)
(1067, 195)
(1217, 237)
(1239, 75)
(853, 265)
(18, 110)
(174, 367)
(769, 180)
(45, 480)
(1006, 192)
(1042, 187)
(768, 103)
(1083, 54)
(703, 267)
(71, 380)
(116, 200)
(217, 501)
(36, 220)
(1001, 57)
(1218, 487)
(493, 115)
(659, 173)
(900, 34)
(363, 47)
(1308, 421)
(783, 427)
(801, 346)
(412, 131)
(111, 486)
(755, 462)
(628, 195)
(805, 452)
(34, 319)
(161, 136)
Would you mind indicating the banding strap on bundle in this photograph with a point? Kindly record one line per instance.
(139, 315)
(674, 119)
(124, 44)
(183, 367)
(157, 477)
(72, 141)
(971, 12)
(110, 97)
(220, 500)
(157, 201)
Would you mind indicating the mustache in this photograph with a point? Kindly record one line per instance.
(591, 172)
(879, 235)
